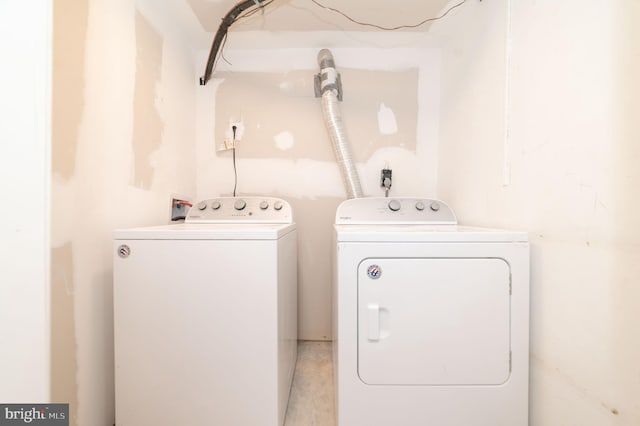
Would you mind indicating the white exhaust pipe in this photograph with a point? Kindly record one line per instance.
(329, 88)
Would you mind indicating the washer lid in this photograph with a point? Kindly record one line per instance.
(190, 231)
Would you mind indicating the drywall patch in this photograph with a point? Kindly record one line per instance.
(387, 124)
(286, 86)
(70, 21)
(147, 123)
(284, 141)
(64, 364)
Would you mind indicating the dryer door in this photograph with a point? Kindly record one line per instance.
(434, 321)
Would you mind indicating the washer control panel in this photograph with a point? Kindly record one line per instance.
(241, 210)
(377, 210)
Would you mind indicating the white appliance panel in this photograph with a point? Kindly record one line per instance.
(421, 233)
(207, 231)
(437, 321)
(205, 330)
(379, 210)
(359, 403)
(195, 332)
(237, 210)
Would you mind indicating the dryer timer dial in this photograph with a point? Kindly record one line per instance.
(394, 205)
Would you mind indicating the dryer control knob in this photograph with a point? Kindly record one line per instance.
(278, 205)
(240, 204)
(394, 205)
(419, 206)
(435, 207)
(216, 205)
(264, 205)
(202, 205)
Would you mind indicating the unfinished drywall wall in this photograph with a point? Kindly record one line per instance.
(374, 100)
(68, 96)
(560, 168)
(69, 38)
(147, 124)
(64, 363)
(390, 113)
(124, 142)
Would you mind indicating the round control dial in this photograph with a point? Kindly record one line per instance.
(240, 204)
(264, 205)
(278, 205)
(202, 205)
(394, 205)
(420, 206)
(435, 206)
(216, 205)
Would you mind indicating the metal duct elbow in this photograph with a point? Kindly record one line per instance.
(329, 88)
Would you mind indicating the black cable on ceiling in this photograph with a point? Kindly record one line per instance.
(229, 19)
(252, 6)
(380, 27)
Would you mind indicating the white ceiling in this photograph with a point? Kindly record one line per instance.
(304, 15)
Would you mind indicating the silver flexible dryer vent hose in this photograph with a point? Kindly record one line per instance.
(329, 86)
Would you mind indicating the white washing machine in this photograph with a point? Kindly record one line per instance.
(205, 316)
(431, 319)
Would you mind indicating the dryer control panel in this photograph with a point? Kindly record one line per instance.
(377, 210)
(241, 210)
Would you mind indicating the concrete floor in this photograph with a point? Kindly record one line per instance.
(311, 402)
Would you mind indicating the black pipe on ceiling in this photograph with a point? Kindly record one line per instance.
(231, 17)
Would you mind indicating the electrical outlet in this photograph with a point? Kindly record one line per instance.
(236, 128)
(179, 208)
(232, 135)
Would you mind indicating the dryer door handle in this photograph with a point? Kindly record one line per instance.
(374, 321)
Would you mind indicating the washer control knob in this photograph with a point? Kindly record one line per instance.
(278, 205)
(216, 205)
(435, 207)
(264, 205)
(419, 206)
(202, 205)
(394, 205)
(240, 204)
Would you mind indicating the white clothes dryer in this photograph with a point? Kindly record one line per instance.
(430, 319)
(205, 316)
